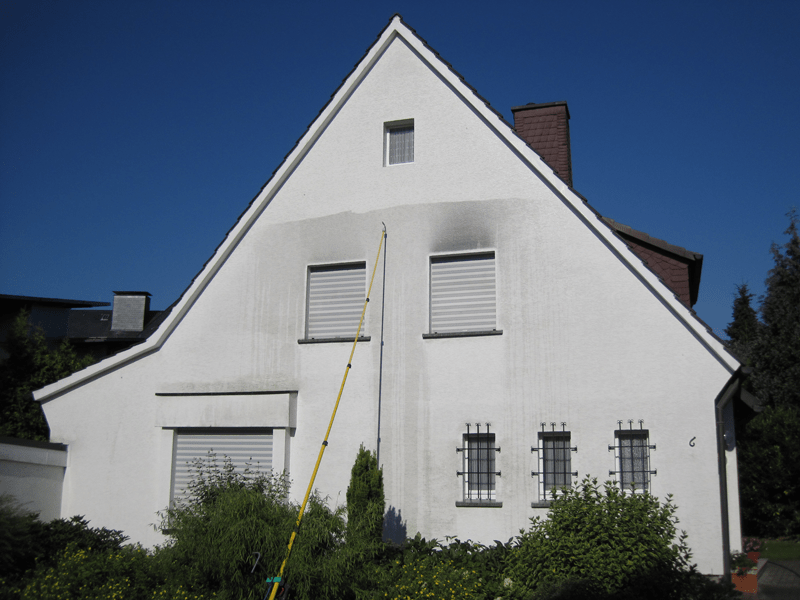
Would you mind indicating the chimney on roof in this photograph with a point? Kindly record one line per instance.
(545, 128)
(129, 311)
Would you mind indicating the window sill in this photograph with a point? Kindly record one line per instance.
(457, 334)
(363, 338)
(479, 503)
(543, 504)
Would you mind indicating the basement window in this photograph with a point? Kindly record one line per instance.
(399, 142)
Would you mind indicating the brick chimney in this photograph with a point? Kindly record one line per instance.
(545, 128)
(129, 311)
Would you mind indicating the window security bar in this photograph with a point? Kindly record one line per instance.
(478, 464)
(554, 460)
(632, 457)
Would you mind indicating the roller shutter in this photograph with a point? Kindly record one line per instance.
(463, 293)
(252, 447)
(335, 301)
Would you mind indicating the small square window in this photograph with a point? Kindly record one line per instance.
(399, 144)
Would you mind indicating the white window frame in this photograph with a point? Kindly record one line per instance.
(474, 470)
(475, 295)
(546, 469)
(624, 456)
(350, 304)
(389, 130)
(259, 457)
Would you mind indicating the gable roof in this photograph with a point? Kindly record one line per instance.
(396, 28)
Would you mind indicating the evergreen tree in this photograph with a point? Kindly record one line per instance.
(777, 349)
(745, 327)
(365, 500)
(769, 463)
(31, 365)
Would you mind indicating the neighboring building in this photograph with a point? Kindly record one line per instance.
(93, 331)
(50, 314)
(526, 343)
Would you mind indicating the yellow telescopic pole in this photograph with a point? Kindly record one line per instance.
(330, 425)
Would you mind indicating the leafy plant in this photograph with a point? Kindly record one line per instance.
(229, 515)
(601, 536)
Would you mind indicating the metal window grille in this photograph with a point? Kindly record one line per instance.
(555, 460)
(478, 464)
(632, 457)
(401, 143)
(463, 293)
(335, 300)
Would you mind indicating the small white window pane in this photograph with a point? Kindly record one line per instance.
(634, 461)
(401, 144)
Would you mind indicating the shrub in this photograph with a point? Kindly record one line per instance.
(231, 515)
(19, 539)
(365, 499)
(455, 569)
(600, 540)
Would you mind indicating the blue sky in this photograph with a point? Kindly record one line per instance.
(133, 134)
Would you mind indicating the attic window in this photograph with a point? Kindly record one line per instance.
(399, 142)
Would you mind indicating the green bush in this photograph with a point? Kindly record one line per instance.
(600, 539)
(27, 543)
(20, 543)
(365, 500)
(129, 573)
(230, 515)
(431, 569)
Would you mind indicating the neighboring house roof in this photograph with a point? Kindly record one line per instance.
(10, 303)
(490, 117)
(95, 325)
(678, 267)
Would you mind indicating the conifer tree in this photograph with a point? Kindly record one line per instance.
(365, 499)
(777, 349)
(769, 463)
(745, 327)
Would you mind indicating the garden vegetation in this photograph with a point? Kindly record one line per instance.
(597, 543)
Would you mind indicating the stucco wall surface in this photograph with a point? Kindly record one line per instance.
(584, 340)
(33, 475)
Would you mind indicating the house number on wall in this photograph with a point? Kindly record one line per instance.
(691, 441)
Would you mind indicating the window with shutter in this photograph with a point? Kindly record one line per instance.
(463, 295)
(247, 449)
(335, 301)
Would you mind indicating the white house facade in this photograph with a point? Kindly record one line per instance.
(525, 345)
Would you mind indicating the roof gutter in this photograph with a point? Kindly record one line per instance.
(731, 390)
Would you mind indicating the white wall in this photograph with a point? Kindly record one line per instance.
(584, 340)
(33, 473)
